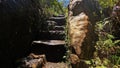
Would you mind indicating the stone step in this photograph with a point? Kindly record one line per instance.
(53, 49)
(53, 34)
(59, 20)
(58, 15)
(49, 42)
(54, 25)
(57, 31)
(59, 28)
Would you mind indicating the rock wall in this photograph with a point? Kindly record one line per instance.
(18, 19)
(83, 15)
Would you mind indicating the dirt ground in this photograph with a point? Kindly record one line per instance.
(56, 65)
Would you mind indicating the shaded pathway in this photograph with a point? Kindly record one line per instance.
(51, 44)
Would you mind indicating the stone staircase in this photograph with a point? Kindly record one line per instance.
(56, 26)
(51, 44)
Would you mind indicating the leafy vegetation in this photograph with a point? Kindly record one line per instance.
(106, 7)
(107, 54)
(107, 3)
(53, 7)
(49, 8)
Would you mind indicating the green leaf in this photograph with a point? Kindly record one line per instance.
(117, 41)
(101, 66)
(87, 62)
(106, 61)
(110, 36)
(108, 42)
(118, 61)
(115, 66)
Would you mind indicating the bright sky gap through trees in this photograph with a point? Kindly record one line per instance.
(65, 2)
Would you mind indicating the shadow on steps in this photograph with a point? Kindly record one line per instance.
(53, 49)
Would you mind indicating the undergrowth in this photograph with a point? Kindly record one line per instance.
(107, 54)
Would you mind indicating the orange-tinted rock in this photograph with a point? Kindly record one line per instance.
(78, 29)
(74, 59)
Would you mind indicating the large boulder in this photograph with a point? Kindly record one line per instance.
(83, 15)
